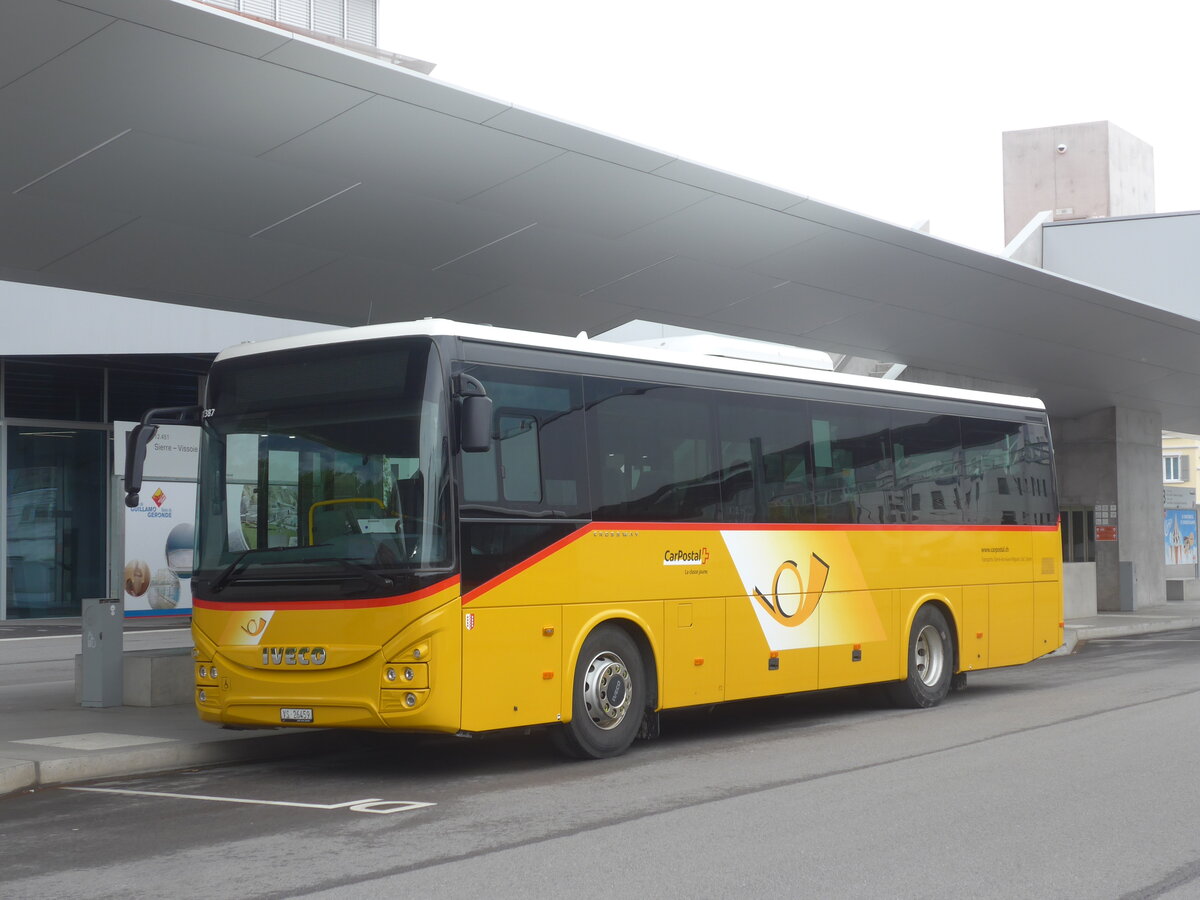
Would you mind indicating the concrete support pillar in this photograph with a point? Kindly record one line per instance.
(1113, 457)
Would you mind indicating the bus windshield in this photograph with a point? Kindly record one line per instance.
(323, 473)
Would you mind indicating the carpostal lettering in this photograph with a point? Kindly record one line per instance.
(686, 557)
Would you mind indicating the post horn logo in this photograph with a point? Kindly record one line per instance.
(794, 607)
(255, 626)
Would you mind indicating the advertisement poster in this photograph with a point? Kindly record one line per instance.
(1179, 537)
(157, 580)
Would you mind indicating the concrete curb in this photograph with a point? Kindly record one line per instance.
(18, 775)
(1086, 633)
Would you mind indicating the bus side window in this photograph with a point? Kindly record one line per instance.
(537, 459)
(852, 464)
(651, 452)
(1043, 510)
(992, 453)
(927, 454)
(766, 459)
(520, 461)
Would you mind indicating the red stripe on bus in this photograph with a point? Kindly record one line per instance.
(562, 542)
(526, 563)
(806, 526)
(370, 603)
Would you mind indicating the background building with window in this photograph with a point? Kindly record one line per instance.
(1180, 452)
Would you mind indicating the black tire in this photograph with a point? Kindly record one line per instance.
(608, 696)
(930, 662)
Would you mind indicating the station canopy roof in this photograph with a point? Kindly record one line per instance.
(169, 151)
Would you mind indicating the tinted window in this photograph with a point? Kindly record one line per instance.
(491, 548)
(130, 394)
(537, 458)
(1042, 503)
(40, 391)
(853, 470)
(766, 459)
(652, 453)
(992, 489)
(927, 457)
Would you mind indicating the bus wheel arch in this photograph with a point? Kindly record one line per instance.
(614, 685)
(931, 658)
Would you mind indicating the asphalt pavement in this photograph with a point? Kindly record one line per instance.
(48, 738)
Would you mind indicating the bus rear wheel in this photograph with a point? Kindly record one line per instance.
(930, 661)
(608, 696)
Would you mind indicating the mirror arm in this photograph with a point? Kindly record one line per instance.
(139, 439)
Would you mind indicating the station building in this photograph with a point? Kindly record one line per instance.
(180, 176)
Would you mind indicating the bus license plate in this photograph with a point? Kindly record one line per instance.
(295, 714)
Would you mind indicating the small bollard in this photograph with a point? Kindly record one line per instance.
(103, 649)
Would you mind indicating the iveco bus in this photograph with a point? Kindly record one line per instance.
(451, 528)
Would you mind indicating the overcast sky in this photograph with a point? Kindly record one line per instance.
(890, 109)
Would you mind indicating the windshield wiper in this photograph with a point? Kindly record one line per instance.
(369, 575)
(229, 574)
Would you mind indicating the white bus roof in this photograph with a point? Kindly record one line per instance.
(612, 350)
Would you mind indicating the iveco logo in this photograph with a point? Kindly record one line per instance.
(293, 656)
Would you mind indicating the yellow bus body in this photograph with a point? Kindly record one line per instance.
(721, 613)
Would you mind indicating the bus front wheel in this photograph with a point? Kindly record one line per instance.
(930, 661)
(608, 696)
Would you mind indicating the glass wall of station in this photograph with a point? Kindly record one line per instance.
(56, 420)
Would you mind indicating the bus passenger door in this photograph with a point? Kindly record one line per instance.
(512, 666)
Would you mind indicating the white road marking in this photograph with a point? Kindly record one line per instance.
(368, 805)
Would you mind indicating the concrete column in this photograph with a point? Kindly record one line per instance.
(1114, 456)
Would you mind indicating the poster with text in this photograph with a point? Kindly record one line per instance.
(159, 544)
(1179, 537)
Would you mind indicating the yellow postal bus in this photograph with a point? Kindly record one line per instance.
(451, 528)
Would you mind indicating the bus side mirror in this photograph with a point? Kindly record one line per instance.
(139, 439)
(475, 424)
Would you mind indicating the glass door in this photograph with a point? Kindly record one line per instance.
(56, 483)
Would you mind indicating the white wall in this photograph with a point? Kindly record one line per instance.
(49, 321)
(1151, 259)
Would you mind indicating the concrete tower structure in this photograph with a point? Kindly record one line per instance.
(1085, 171)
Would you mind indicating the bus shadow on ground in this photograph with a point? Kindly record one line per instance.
(529, 752)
